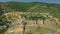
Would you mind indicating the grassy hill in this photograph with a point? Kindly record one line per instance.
(44, 16)
(53, 9)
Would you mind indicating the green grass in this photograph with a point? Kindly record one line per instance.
(38, 7)
(40, 30)
(33, 7)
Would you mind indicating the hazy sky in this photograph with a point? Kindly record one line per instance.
(49, 1)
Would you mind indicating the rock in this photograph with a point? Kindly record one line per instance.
(3, 27)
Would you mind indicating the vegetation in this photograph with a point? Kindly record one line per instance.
(53, 9)
(31, 11)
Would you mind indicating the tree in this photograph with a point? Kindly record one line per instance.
(4, 24)
(43, 18)
(24, 25)
(1, 11)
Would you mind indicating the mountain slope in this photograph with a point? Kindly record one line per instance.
(53, 9)
(40, 18)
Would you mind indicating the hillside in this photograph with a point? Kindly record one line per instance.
(36, 17)
(53, 9)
